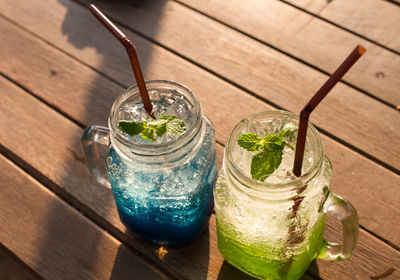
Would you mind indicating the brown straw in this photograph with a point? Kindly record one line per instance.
(315, 100)
(131, 50)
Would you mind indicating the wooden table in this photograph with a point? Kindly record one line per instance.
(61, 71)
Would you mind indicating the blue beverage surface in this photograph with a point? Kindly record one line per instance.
(168, 203)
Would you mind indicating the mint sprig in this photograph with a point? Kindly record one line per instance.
(269, 148)
(155, 128)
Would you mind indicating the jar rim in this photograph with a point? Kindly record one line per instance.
(161, 148)
(251, 183)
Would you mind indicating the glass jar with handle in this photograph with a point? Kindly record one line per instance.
(162, 188)
(272, 229)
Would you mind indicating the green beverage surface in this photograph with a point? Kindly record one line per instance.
(262, 260)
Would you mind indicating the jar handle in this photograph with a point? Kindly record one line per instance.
(347, 215)
(94, 143)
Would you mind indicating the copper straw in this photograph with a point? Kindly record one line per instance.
(315, 100)
(131, 50)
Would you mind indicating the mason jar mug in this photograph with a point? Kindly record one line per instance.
(273, 229)
(162, 189)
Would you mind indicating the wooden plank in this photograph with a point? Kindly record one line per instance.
(376, 20)
(354, 177)
(89, 100)
(46, 223)
(54, 239)
(55, 154)
(270, 74)
(311, 40)
(12, 268)
(358, 120)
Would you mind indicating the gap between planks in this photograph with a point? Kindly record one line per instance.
(221, 77)
(55, 108)
(85, 210)
(364, 145)
(98, 220)
(252, 93)
(396, 2)
(343, 142)
(123, 235)
(60, 49)
(342, 27)
(311, 65)
(47, 197)
(377, 20)
(29, 169)
(20, 270)
(307, 38)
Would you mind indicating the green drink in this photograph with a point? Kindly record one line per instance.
(251, 259)
(271, 228)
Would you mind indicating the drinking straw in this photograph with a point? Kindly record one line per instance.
(315, 100)
(131, 50)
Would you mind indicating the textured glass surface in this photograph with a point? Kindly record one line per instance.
(271, 231)
(167, 202)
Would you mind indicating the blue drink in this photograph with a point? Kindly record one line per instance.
(166, 202)
(162, 189)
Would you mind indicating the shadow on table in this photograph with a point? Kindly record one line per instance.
(229, 272)
(12, 268)
(85, 36)
(186, 260)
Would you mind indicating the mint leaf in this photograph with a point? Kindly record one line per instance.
(249, 141)
(161, 129)
(169, 124)
(160, 126)
(164, 124)
(160, 121)
(273, 142)
(269, 148)
(265, 163)
(131, 128)
(176, 126)
(148, 133)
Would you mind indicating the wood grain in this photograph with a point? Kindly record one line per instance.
(12, 268)
(376, 20)
(353, 117)
(96, 94)
(358, 120)
(354, 177)
(54, 239)
(310, 39)
(54, 152)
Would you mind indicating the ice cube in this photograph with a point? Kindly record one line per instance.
(178, 108)
(154, 95)
(132, 112)
(158, 109)
(273, 126)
